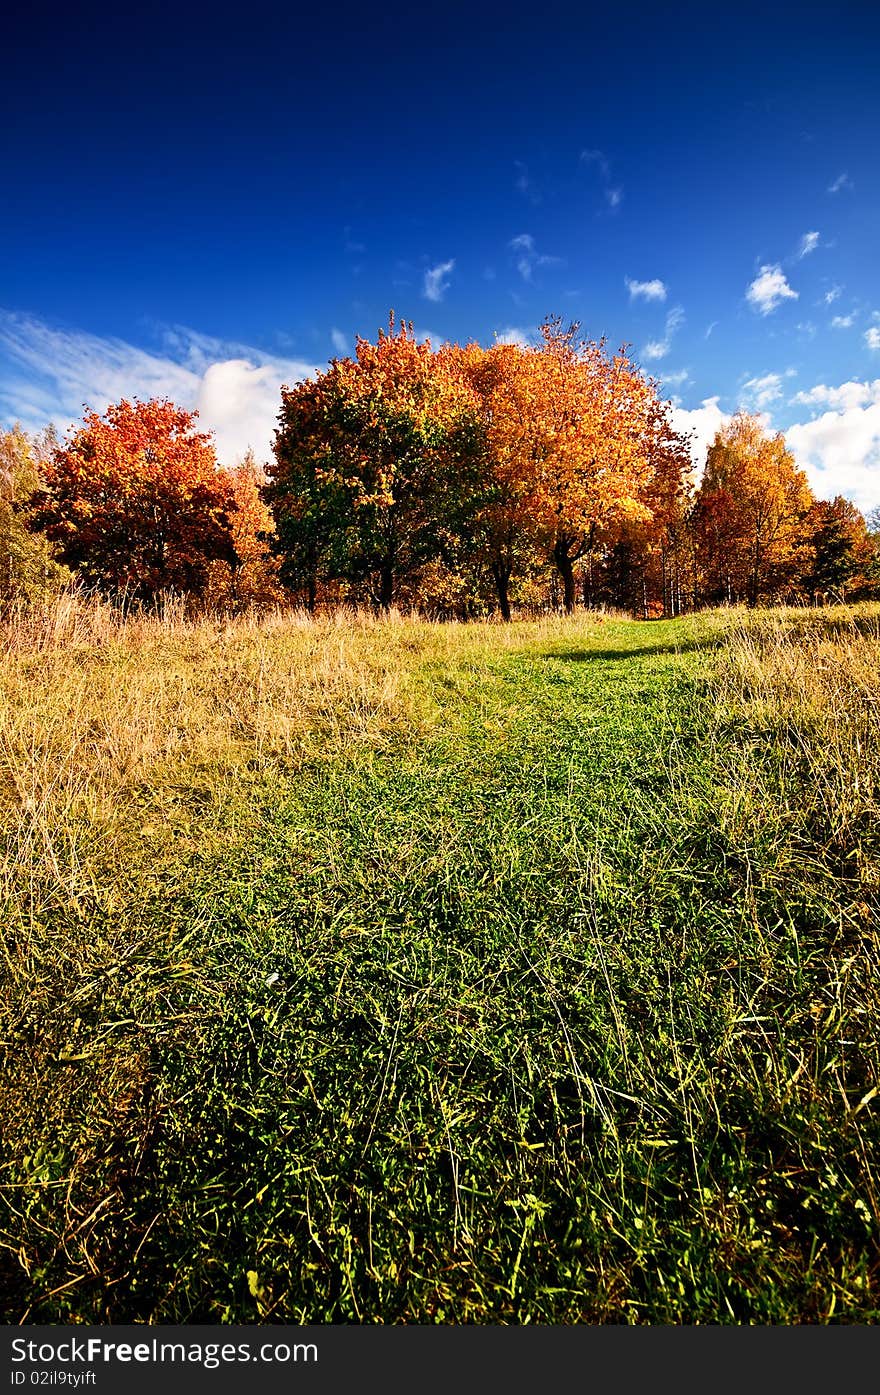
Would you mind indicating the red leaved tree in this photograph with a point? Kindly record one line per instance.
(134, 501)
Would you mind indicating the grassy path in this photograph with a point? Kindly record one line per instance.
(521, 1006)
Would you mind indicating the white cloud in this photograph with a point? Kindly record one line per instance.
(61, 370)
(614, 197)
(515, 335)
(713, 325)
(646, 290)
(872, 337)
(239, 401)
(843, 321)
(840, 453)
(760, 392)
(437, 280)
(703, 422)
(57, 371)
(809, 243)
(842, 181)
(845, 396)
(659, 348)
(340, 343)
(675, 379)
(769, 289)
(832, 295)
(839, 449)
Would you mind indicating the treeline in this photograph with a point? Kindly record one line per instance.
(461, 481)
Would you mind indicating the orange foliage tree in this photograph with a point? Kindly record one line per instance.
(253, 578)
(750, 514)
(480, 461)
(504, 534)
(573, 424)
(134, 501)
(646, 563)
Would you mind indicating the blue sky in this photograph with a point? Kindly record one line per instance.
(204, 202)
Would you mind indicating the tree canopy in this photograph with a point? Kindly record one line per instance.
(461, 479)
(134, 501)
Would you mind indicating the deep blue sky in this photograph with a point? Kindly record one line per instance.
(261, 177)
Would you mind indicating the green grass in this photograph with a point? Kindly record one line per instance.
(522, 975)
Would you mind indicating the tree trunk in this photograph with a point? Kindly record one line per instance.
(565, 567)
(502, 583)
(752, 594)
(386, 586)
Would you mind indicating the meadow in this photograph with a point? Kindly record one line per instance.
(373, 970)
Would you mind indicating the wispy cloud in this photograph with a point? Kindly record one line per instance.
(809, 243)
(524, 183)
(524, 247)
(437, 280)
(676, 379)
(612, 192)
(526, 256)
(340, 343)
(659, 348)
(645, 290)
(769, 289)
(709, 329)
(55, 372)
(351, 244)
(843, 321)
(833, 294)
(872, 338)
(842, 182)
(761, 392)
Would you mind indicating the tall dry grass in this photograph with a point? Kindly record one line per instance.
(806, 687)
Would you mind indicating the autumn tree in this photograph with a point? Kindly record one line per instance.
(370, 457)
(841, 552)
(645, 564)
(134, 502)
(751, 511)
(573, 424)
(27, 568)
(496, 518)
(252, 579)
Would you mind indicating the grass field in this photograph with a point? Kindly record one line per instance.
(371, 971)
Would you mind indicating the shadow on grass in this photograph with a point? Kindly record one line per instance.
(637, 652)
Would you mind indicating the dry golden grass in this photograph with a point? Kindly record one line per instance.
(95, 705)
(809, 684)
